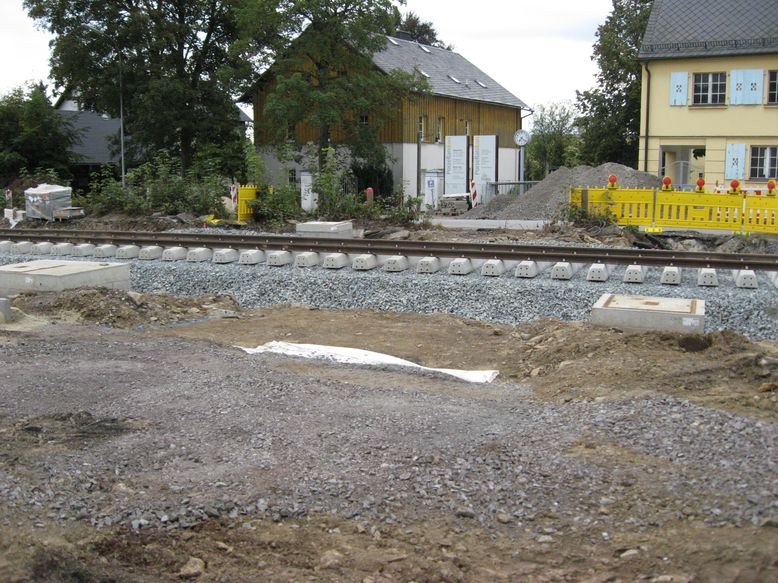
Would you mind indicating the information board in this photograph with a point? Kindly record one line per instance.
(456, 168)
(484, 166)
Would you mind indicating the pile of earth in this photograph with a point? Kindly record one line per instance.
(123, 309)
(542, 201)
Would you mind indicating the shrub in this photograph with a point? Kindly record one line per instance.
(581, 217)
(276, 205)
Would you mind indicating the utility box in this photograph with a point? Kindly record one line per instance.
(42, 201)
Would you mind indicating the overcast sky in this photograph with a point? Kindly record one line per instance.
(540, 51)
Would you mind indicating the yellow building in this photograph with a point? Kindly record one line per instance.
(709, 105)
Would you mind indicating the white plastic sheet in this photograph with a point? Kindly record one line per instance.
(363, 357)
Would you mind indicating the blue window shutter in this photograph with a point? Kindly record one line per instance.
(752, 86)
(736, 87)
(736, 162)
(679, 88)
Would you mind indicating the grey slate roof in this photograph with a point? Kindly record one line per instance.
(706, 28)
(99, 137)
(439, 64)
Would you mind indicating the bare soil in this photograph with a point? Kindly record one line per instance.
(556, 362)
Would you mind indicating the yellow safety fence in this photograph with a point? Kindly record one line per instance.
(657, 208)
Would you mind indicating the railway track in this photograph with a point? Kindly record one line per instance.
(381, 247)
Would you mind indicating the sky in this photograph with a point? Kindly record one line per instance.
(539, 51)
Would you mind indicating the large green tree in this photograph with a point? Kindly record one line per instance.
(555, 140)
(174, 63)
(327, 80)
(610, 112)
(32, 135)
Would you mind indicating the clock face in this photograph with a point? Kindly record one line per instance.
(521, 137)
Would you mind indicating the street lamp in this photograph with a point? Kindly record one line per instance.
(121, 98)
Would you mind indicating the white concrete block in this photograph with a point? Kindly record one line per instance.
(251, 257)
(745, 278)
(335, 261)
(364, 262)
(341, 229)
(635, 274)
(151, 252)
(103, 251)
(306, 259)
(56, 275)
(493, 268)
(225, 255)
(530, 269)
(6, 315)
(127, 252)
(175, 253)
(84, 250)
(598, 272)
(671, 276)
(648, 313)
(565, 270)
(6, 246)
(22, 248)
(428, 265)
(773, 277)
(707, 277)
(397, 263)
(199, 255)
(279, 258)
(460, 266)
(62, 249)
(42, 248)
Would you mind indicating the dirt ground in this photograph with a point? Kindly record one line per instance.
(559, 362)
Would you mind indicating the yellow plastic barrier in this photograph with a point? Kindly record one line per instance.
(654, 208)
(246, 192)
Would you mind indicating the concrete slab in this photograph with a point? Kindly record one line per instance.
(648, 313)
(707, 277)
(151, 252)
(339, 229)
(635, 274)
(565, 270)
(460, 266)
(493, 268)
(175, 253)
(745, 278)
(428, 265)
(6, 315)
(84, 250)
(279, 258)
(54, 275)
(307, 259)
(22, 248)
(199, 255)
(6, 246)
(42, 248)
(396, 263)
(364, 262)
(251, 257)
(62, 249)
(105, 251)
(598, 272)
(225, 255)
(335, 261)
(127, 252)
(671, 276)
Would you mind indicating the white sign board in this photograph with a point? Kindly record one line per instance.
(309, 200)
(456, 165)
(484, 165)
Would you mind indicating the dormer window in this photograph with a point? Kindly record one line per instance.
(425, 49)
(394, 42)
(454, 79)
(481, 84)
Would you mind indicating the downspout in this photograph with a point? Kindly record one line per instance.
(648, 116)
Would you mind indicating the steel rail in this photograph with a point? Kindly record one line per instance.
(448, 249)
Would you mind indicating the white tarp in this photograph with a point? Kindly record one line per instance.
(363, 357)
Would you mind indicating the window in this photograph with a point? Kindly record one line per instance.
(772, 88)
(422, 126)
(710, 88)
(293, 176)
(481, 83)
(467, 127)
(291, 131)
(363, 120)
(454, 79)
(440, 132)
(764, 162)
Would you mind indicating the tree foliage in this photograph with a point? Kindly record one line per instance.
(326, 79)
(422, 31)
(554, 141)
(178, 62)
(32, 135)
(610, 112)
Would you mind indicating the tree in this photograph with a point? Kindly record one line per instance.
(421, 31)
(610, 120)
(554, 140)
(32, 135)
(327, 79)
(176, 65)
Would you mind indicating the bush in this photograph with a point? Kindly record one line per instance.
(276, 205)
(580, 217)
